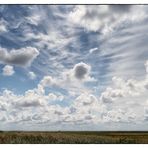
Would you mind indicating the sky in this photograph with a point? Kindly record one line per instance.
(73, 67)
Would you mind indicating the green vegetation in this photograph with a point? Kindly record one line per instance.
(73, 137)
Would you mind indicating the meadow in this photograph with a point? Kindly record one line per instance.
(73, 137)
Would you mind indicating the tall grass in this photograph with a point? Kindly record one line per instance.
(71, 138)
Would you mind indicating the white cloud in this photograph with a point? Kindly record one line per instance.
(104, 18)
(48, 81)
(125, 100)
(34, 19)
(29, 103)
(3, 27)
(85, 100)
(71, 80)
(37, 107)
(53, 97)
(111, 94)
(119, 103)
(21, 57)
(119, 116)
(93, 50)
(146, 66)
(80, 72)
(8, 70)
(3, 106)
(122, 89)
(32, 75)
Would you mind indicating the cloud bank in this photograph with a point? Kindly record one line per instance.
(85, 108)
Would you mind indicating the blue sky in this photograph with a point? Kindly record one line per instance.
(73, 67)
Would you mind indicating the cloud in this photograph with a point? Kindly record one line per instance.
(118, 52)
(3, 27)
(104, 18)
(81, 71)
(93, 50)
(146, 66)
(48, 81)
(120, 8)
(85, 100)
(125, 100)
(8, 70)
(29, 103)
(32, 107)
(53, 97)
(111, 94)
(20, 57)
(36, 107)
(122, 89)
(3, 106)
(119, 116)
(72, 80)
(34, 19)
(65, 94)
(32, 75)
(119, 103)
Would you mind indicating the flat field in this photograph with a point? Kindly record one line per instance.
(74, 137)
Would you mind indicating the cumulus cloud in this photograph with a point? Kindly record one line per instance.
(122, 89)
(8, 70)
(20, 57)
(53, 97)
(32, 107)
(85, 108)
(32, 75)
(85, 100)
(36, 106)
(48, 81)
(81, 71)
(72, 80)
(119, 115)
(29, 103)
(3, 106)
(125, 100)
(111, 94)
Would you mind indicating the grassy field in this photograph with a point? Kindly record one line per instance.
(73, 137)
